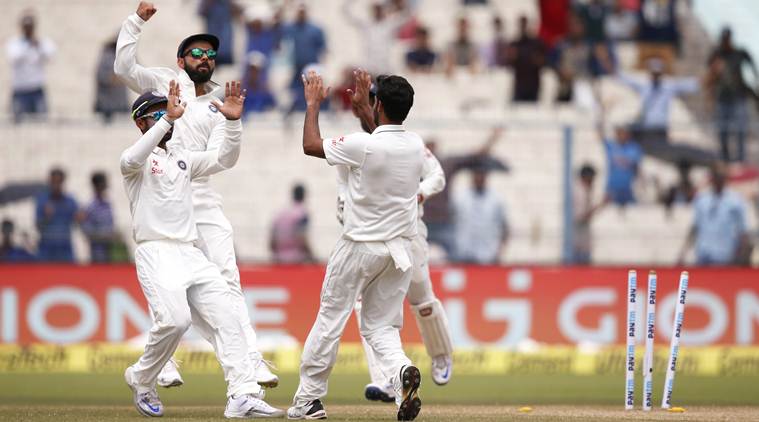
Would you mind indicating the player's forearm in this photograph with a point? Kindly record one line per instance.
(366, 117)
(136, 155)
(229, 151)
(312, 139)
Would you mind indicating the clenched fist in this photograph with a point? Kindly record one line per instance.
(146, 10)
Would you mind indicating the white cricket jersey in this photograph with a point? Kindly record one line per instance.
(158, 181)
(201, 128)
(384, 169)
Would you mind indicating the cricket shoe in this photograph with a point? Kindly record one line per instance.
(442, 369)
(264, 376)
(374, 392)
(147, 402)
(169, 375)
(310, 410)
(410, 379)
(248, 406)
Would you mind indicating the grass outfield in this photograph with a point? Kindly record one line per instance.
(64, 397)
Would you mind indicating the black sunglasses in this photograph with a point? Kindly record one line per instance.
(197, 53)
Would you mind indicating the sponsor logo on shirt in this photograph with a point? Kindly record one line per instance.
(182, 165)
(154, 169)
(213, 108)
(340, 139)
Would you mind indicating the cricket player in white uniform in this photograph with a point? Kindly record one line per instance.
(373, 257)
(200, 129)
(175, 276)
(430, 315)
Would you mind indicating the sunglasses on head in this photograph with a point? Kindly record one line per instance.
(197, 53)
(156, 115)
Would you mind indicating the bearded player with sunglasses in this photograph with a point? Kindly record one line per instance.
(201, 128)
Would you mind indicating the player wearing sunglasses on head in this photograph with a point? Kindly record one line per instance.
(201, 128)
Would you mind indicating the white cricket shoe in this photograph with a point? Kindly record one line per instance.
(147, 402)
(442, 369)
(169, 375)
(264, 376)
(311, 410)
(375, 392)
(248, 406)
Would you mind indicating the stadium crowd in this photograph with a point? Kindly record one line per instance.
(576, 40)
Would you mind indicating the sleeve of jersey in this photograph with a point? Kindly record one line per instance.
(349, 150)
(134, 157)
(206, 163)
(138, 78)
(433, 178)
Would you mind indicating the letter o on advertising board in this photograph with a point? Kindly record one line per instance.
(81, 331)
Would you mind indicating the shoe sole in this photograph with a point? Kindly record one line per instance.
(410, 406)
(253, 415)
(375, 394)
(321, 414)
(173, 383)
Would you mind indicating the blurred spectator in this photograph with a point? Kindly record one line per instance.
(474, 2)
(576, 58)
(731, 92)
(289, 232)
(97, 222)
(9, 252)
(258, 97)
(56, 212)
(658, 34)
(218, 16)
(621, 23)
(462, 52)
(481, 226)
(623, 157)
(554, 21)
(28, 55)
(593, 15)
(263, 34)
(527, 56)
(308, 44)
(421, 58)
(584, 209)
(407, 31)
(681, 192)
(438, 208)
(378, 33)
(719, 224)
(656, 96)
(111, 93)
(498, 50)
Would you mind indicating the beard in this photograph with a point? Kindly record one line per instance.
(196, 75)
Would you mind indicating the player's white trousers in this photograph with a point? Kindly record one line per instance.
(356, 269)
(176, 277)
(217, 243)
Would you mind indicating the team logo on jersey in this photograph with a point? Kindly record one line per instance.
(213, 108)
(182, 164)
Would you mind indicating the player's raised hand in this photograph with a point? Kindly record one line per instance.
(146, 10)
(234, 98)
(314, 90)
(360, 96)
(175, 108)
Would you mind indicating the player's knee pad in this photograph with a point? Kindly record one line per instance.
(433, 326)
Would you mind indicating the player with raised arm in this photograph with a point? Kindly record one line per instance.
(372, 259)
(174, 274)
(430, 315)
(200, 129)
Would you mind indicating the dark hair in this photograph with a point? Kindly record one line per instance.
(396, 95)
(7, 225)
(98, 179)
(422, 31)
(587, 170)
(299, 193)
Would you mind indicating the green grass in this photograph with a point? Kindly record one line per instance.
(209, 390)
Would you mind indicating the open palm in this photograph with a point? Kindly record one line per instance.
(234, 98)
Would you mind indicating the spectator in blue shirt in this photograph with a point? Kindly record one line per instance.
(97, 223)
(308, 44)
(258, 98)
(218, 15)
(719, 224)
(56, 213)
(9, 252)
(623, 157)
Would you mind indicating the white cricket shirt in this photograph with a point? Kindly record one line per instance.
(28, 62)
(384, 170)
(158, 182)
(201, 128)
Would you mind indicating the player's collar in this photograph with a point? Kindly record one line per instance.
(388, 128)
